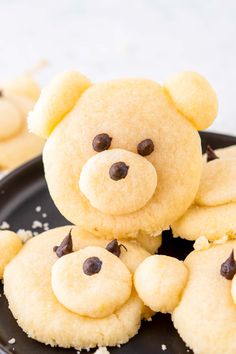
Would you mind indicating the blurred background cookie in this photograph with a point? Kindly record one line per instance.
(17, 98)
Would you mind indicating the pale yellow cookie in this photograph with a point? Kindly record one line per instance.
(213, 213)
(101, 195)
(36, 278)
(17, 145)
(211, 222)
(150, 243)
(218, 183)
(158, 146)
(206, 315)
(159, 281)
(94, 295)
(10, 245)
(194, 98)
(61, 95)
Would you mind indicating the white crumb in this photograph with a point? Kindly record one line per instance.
(37, 224)
(12, 341)
(201, 243)
(35, 233)
(44, 215)
(46, 226)
(38, 208)
(4, 225)
(102, 350)
(163, 347)
(24, 235)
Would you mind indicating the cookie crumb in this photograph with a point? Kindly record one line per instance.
(46, 226)
(38, 208)
(102, 350)
(4, 225)
(163, 347)
(37, 224)
(24, 235)
(12, 341)
(201, 243)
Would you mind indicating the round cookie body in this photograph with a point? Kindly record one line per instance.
(206, 315)
(22, 145)
(28, 276)
(129, 111)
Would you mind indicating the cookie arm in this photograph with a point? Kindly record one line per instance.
(10, 245)
(159, 281)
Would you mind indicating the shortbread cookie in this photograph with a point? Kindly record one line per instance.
(10, 245)
(123, 158)
(204, 312)
(79, 289)
(167, 277)
(213, 213)
(17, 145)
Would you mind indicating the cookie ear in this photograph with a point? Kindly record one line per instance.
(55, 101)
(194, 97)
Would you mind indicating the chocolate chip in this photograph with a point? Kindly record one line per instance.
(92, 265)
(228, 268)
(145, 147)
(118, 171)
(65, 247)
(211, 155)
(114, 247)
(1, 93)
(101, 142)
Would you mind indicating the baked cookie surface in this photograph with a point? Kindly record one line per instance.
(38, 280)
(206, 315)
(199, 292)
(213, 213)
(128, 156)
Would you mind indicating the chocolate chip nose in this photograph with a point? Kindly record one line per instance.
(118, 171)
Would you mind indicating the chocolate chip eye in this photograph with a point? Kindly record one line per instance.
(101, 142)
(118, 171)
(65, 247)
(211, 155)
(228, 268)
(145, 147)
(114, 247)
(92, 265)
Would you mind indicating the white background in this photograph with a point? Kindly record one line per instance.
(113, 38)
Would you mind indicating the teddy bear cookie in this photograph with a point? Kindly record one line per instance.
(17, 145)
(123, 158)
(200, 293)
(213, 213)
(79, 288)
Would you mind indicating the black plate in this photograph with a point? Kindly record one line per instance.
(20, 193)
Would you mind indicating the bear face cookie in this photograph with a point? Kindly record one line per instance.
(213, 213)
(17, 145)
(123, 157)
(200, 293)
(79, 289)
